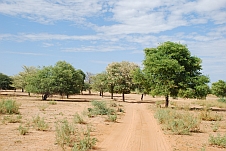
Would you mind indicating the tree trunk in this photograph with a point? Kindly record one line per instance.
(167, 100)
(102, 93)
(123, 96)
(142, 96)
(67, 96)
(44, 97)
(89, 91)
(112, 89)
(22, 90)
(29, 94)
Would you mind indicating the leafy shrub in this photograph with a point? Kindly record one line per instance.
(222, 100)
(218, 140)
(177, 123)
(210, 116)
(215, 126)
(9, 107)
(23, 130)
(40, 124)
(78, 119)
(100, 108)
(111, 118)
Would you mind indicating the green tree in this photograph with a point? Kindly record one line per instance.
(19, 80)
(99, 83)
(120, 77)
(140, 82)
(171, 69)
(82, 81)
(61, 79)
(219, 88)
(5, 82)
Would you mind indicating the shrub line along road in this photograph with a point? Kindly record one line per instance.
(138, 131)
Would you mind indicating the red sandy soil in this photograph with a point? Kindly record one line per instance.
(135, 130)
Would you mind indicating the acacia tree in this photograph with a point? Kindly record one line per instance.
(5, 82)
(219, 88)
(170, 68)
(120, 77)
(99, 83)
(20, 80)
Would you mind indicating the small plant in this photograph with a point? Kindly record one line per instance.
(222, 100)
(9, 107)
(112, 104)
(100, 108)
(78, 119)
(215, 126)
(12, 119)
(23, 130)
(40, 124)
(210, 116)
(52, 102)
(218, 140)
(43, 107)
(111, 118)
(120, 110)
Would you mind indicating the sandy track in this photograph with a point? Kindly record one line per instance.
(137, 131)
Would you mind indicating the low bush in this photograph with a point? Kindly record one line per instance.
(218, 140)
(9, 107)
(52, 102)
(222, 100)
(100, 108)
(111, 118)
(178, 123)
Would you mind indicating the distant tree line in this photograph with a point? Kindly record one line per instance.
(168, 70)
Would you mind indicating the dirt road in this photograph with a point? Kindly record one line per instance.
(137, 131)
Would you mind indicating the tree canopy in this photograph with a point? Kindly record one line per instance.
(219, 88)
(61, 79)
(171, 69)
(5, 82)
(119, 77)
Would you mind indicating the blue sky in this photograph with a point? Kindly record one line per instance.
(90, 34)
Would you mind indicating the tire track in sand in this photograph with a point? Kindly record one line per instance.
(138, 131)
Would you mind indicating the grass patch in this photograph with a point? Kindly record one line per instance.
(67, 134)
(218, 140)
(111, 118)
(78, 119)
(11, 119)
(9, 107)
(100, 108)
(181, 123)
(52, 102)
(43, 107)
(210, 103)
(23, 130)
(210, 116)
(40, 124)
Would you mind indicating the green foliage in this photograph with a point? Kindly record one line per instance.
(111, 118)
(177, 123)
(119, 77)
(100, 82)
(61, 79)
(170, 68)
(222, 100)
(100, 108)
(40, 124)
(23, 130)
(218, 140)
(5, 82)
(9, 107)
(219, 88)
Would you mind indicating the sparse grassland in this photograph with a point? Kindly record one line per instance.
(9, 107)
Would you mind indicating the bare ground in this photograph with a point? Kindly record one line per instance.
(135, 130)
